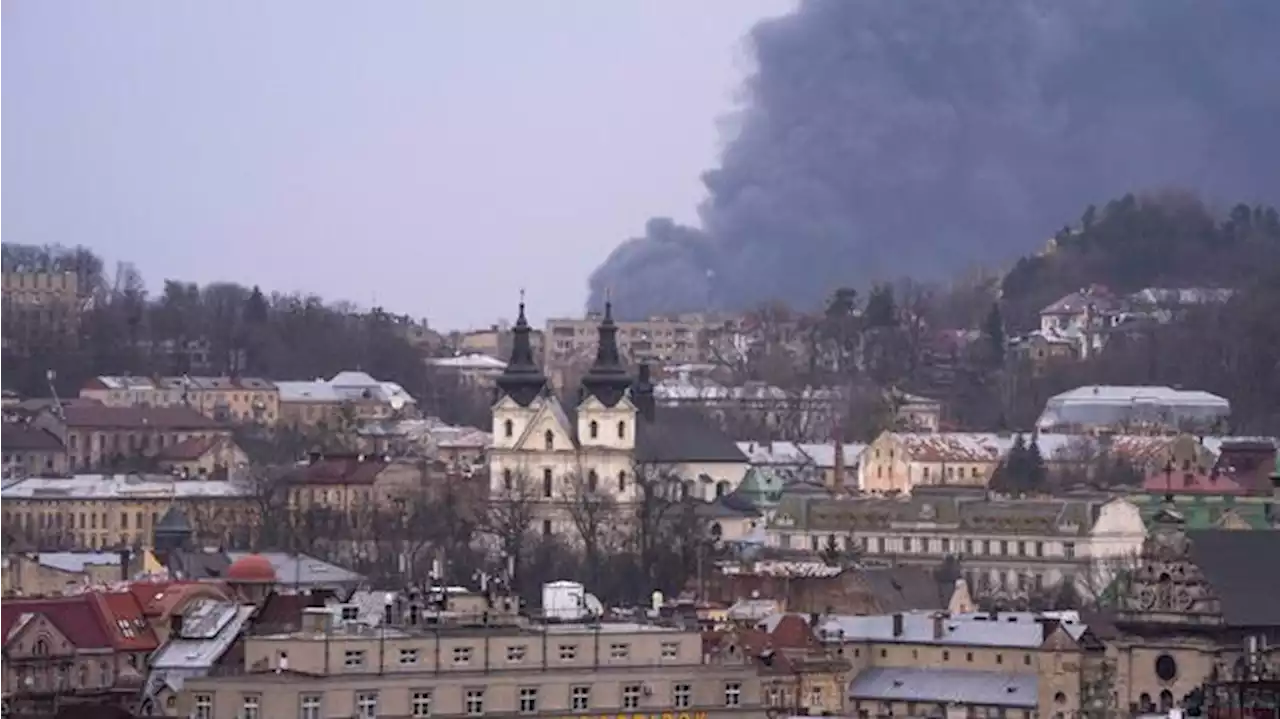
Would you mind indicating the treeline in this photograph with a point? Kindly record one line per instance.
(217, 329)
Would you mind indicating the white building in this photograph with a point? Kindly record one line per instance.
(1116, 408)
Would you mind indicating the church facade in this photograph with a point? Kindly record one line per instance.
(608, 443)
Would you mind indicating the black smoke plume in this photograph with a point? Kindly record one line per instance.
(883, 138)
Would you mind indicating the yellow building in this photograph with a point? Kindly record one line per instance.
(91, 511)
(98, 437)
(247, 400)
(31, 451)
(898, 461)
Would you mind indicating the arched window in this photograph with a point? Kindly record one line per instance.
(722, 488)
(550, 439)
(594, 429)
(507, 483)
(508, 428)
(41, 648)
(546, 482)
(593, 479)
(622, 430)
(622, 481)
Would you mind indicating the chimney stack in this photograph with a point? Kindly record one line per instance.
(897, 624)
(938, 625)
(125, 556)
(837, 470)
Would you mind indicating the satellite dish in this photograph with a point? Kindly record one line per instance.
(397, 402)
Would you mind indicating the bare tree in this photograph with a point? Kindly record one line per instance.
(511, 512)
(594, 514)
(666, 527)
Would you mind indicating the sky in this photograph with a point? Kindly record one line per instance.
(429, 157)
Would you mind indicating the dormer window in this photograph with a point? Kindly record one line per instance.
(508, 428)
(550, 439)
(594, 429)
(622, 430)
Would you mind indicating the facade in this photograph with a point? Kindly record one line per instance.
(32, 451)
(346, 398)
(480, 370)
(247, 400)
(41, 310)
(51, 574)
(92, 511)
(1006, 548)
(657, 340)
(896, 462)
(613, 439)
(449, 663)
(99, 437)
(1132, 409)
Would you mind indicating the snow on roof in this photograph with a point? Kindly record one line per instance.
(474, 361)
(107, 486)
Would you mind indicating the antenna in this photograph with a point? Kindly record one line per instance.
(50, 375)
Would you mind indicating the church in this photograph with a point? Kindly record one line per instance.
(615, 430)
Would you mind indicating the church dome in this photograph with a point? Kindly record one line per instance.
(253, 568)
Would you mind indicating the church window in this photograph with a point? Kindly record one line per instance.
(722, 488)
(508, 428)
(550, 439)
(622, 481)
(593, 480)
(507, 483)
(622, 430)
(594, 429)
(546, 482)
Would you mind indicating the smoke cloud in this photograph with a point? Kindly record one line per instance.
(885, 138)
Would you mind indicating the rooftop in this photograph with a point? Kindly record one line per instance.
(946, 686)
(117, 486)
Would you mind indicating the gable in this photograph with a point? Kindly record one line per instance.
(1059, 641)
(35, 635)
(550, 416)
(592, 405)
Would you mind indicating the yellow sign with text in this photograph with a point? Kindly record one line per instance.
(663, 715)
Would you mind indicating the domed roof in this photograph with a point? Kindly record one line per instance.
(251, 568)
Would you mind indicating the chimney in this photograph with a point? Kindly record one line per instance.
(938, 626)
(837, 470)
(897, 624)
(125, 555)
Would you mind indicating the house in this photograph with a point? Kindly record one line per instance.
(32, 451)
(352, 481)
(899, 461)
(347, 397)
(246, 400)
(47, 574)
(799, 675)
(1148, 409)
(475, 369)
(215, 457)
(101, 437)
(202, 639)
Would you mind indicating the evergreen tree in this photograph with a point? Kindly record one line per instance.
(1037, 474)
(1010, 475)
(882, 309)
(993, 332)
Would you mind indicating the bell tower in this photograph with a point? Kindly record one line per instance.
(520, 386)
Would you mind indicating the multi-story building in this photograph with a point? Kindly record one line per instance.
(32, 451)
(475, 658)
(1006, 547)
(91, 511)
(1149, 409)
(99, 437)
(248, 400)
(657, 340)
(613, 439)
(494, 342)
(346, 398)
(41, 310)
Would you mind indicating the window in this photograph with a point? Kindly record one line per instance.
(408, 656)
(1069, 550)
(670, 650)
(946, 546)
(251, 708)
(1039, 549)
(353, 658)
(946, 656)
(41, 648)
(619, 651)
(622, 430)
(508, 428)
(366, 705)
(733, 694)
(1026, 659)
(350, 613)
(580, 698)
(593, 480)
(528, 700)
(203, 706)
(968, 656)
(515, 654)
(622, 481)
(309, 706)
(546, 482)
(420, 704)
(508, 483)
(474, 702)
(594, 429)
(546, 527)
(568, 652)
(682, 696)
(631, 696)
(549, 439)
(462, 655)
(906, 544)
(124, 520)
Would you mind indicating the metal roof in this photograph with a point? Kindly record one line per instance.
(108, 486)
(1007, 630)
(946, 686)
(77, 561)
(303, 570)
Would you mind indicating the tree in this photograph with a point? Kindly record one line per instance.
(509, 520)
(993, 335)
(882, 310)
(1022, 471)
(594, 515)
(667, 532)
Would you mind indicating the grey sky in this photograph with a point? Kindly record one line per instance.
(434, 155)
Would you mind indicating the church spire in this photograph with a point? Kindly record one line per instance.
(522, 380)
(607, 379)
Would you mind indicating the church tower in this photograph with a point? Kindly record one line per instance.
(520, 387)
(606, 415)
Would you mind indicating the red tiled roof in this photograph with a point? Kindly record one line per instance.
(1197, 482)
(137, 418)
(189, 449)
(338, 470)
(26, 438)
(793, 631)
(77, 617)
(124, 621)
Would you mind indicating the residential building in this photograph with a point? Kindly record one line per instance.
(813, 586)
(494, 342)
(1015, 665)
(798, 673)
(479, 370)
(1012, 547)
(100, 437)
(247, 400)
(32, 451)
(655, 341)
(447, 662)
(93, 511)
(346, 398)
(352, 482)
(896, 462)
(216, 457)
(614, 438)
(1148, 409)
(202, 639)
(51, 574)
(41, 310)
